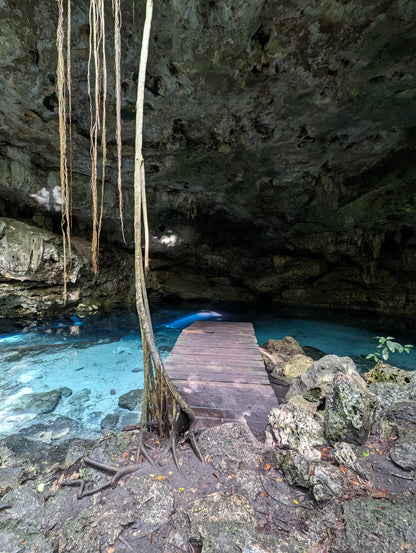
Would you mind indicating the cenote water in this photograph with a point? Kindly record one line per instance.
(98, 359)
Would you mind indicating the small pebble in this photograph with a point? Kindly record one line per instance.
(113, 392)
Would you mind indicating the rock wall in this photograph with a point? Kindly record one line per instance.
(279, 145)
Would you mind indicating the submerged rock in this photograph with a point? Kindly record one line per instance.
(39, 403)
(131, 400)
(349, 410)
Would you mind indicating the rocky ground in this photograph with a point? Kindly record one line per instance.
(335, 472)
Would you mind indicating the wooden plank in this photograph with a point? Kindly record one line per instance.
(218, 369)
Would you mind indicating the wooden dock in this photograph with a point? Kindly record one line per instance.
(218, 369)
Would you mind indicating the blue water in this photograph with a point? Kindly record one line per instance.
(99, 358)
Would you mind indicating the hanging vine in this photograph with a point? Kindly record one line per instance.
(97, 72)
(63, 74)
(162, 404)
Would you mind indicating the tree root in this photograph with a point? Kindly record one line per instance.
(118, 473)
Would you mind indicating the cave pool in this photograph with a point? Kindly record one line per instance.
(99, 358)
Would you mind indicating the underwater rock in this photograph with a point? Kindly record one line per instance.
(110, 421)
(131, 400)
(315, 383)
(349, 410)
(39, 403)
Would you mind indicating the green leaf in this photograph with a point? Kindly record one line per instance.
(385, 354)
(408, 346)
(391, 345)
(41, 487)
(366, 453)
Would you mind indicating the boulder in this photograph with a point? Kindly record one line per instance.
(402, 412)
(297, 468)
(383, 372)
(131, 400)
(375, 526)
(292, 428)
(315, 383)
(327, 482)
(285, 359)
(349, 410)
(39, 403)
(403, 451)
(344, 455)
(110, 421)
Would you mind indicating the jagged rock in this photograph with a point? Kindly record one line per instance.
(285, 359)
(297, 468)
(388, 392)
(344, 455)
(349, 410)
(327, 482)
(403, 451)
(332, 207)
(131, 400)
(39, 403)
(31, 273)
(402, 412)
(315, 383)
(301, 403)
(383, 372)
(295, 429)
(373, 525)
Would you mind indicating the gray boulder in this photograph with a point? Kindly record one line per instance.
(131, 400)
(327, 482)
(315, 383)
(285, 359)
(293, 428)
(349, 410)
(39, 403)
(403, 451)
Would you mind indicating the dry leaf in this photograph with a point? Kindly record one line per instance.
(216, 475)
(265, 494)
(379, 494)
(295, 502)
(161, 477)
(125, 454)
(110, 550)
(121, 483)
(343, 469)
(152, 538)
(267, 466)
(279, 479)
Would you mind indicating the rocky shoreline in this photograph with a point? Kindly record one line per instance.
(334, 473)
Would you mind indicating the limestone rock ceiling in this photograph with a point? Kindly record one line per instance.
(279, 143)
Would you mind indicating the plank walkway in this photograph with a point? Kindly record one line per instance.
(218, 369)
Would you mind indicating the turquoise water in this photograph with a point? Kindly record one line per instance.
(99, 358)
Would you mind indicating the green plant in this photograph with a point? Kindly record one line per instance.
(387, 346)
